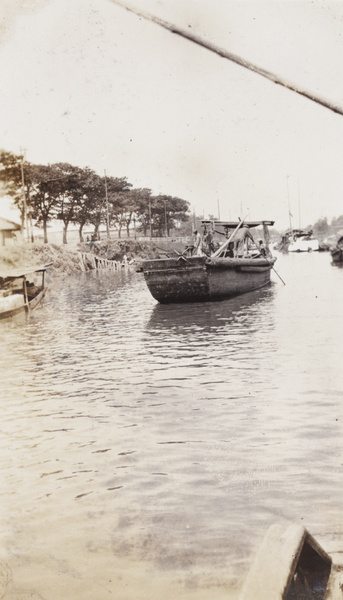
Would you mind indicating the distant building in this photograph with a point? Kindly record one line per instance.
(10, 232)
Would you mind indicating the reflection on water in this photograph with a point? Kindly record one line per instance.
(209, 315)
(147, 445)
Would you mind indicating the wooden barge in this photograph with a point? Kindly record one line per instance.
(239, 265)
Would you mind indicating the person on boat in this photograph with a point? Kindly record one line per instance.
(262, 248)
(197, 243)
(240, 248)
(230, 252)
(208, 239)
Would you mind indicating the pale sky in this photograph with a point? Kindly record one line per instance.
(86, 82)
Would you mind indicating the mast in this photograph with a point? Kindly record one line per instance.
(289, 209)
(299, 206)
(165, 216)
(150, 224)
(26, 229)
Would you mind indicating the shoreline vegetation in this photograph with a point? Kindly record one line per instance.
(65, 259)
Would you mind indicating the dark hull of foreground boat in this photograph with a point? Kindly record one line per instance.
(337, 255)
(201, 279)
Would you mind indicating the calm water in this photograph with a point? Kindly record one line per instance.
(146, 449)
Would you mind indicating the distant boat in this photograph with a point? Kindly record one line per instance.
(298, 240)
(337, 251)
(238, 266)
(21, 289)
(302, 241)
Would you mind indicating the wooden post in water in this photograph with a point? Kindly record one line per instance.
(26, 296)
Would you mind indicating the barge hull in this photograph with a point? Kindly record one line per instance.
(201, 279)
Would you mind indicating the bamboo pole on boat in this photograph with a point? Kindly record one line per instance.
(226, 243)
(188, 34)
(269, 263)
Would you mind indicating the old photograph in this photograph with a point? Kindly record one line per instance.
(171, 278)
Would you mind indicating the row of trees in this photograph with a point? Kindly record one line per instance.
(323, 229)
(80, 196)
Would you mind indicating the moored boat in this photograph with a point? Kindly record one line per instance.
(337, 251)
(240, 264)
(21, 289)
(302, 241)
(291, 564)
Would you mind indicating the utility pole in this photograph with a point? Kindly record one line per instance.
(24, 196)
(289, 209)
(107, 213)
(299, 205)
(165, 216)
(150, 218)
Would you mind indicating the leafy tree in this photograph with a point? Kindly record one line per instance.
(44, 195)
(70, 194)
(133, 205)
(88, 208)
(163, 213)
(160, 212)
(143, 202)
(17, 178)
(337, 223)
(321, 228)
(169, 211)
(119, 201)
(75, 195)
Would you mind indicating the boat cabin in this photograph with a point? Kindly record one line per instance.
(21, 289)
(235, 239)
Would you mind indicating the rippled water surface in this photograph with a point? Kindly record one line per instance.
(146, 449)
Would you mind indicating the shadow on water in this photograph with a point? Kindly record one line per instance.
(207, 316)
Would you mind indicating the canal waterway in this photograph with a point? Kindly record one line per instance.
(146, 449)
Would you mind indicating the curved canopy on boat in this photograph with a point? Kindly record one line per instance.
(298, 233)
(22, 271)
(234, 224)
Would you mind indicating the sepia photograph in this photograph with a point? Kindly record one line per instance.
(171, 277)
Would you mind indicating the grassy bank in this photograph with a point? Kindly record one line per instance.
(65, 258)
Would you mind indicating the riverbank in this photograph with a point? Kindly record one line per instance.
(65, 258)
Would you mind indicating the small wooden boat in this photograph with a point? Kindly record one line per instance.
(239, 265)
(337, 251)
(290, 564)
(21, 289)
